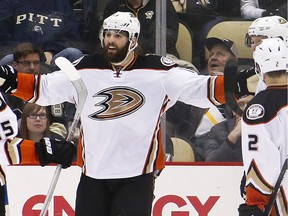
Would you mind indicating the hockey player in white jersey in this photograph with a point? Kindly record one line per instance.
(265, 27)
(120, 146)
(15, 150)
(264, 132)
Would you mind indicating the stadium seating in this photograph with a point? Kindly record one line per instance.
(183, 151)
(179, 5)
(184, 42)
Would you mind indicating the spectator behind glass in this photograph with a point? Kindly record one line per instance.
(220, 51)
(253, 9)
(224, 139)
(51, 25)
(194, 123)
(35, 123)
(145, 10)
(27, 60)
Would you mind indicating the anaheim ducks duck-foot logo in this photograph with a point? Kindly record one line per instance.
(118, 102)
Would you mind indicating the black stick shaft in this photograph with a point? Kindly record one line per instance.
(274, 194)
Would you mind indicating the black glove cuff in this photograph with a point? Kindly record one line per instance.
(65, 153)
(44, 151)
(245, 210)
(55, 151)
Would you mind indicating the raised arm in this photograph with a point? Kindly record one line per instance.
(44, 90)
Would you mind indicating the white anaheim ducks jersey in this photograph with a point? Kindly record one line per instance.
(13, 150)
(121, 134)
(8, 130)
(265, 147)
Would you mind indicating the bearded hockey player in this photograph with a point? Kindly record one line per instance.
(121, 145)
(18, 151)
(264, 133)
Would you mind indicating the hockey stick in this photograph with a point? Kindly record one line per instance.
(230, 85)
(74, 76)
(274, 193)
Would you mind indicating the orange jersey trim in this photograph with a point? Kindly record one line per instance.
(21, 151)
(160, 162)
(219, 89)
(26, 86)
(216, 90)
(80, 156)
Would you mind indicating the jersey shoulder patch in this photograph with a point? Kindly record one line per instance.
(255, 111)
(167, 62)
(152, 61)
(265, 106)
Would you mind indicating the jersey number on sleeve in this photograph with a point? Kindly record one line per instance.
(253, 142)
(7, 129)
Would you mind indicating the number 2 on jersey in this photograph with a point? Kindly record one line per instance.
(253, 142)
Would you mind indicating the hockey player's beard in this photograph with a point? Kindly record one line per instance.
(117, 56)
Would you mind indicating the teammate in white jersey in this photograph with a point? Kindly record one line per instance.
(264, 132)
(120, 146)
(265, 27)
(15, 150)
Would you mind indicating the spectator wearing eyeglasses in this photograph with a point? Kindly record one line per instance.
(35, 123)
(27, 60)
(29, 64)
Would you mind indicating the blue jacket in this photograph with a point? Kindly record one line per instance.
(50, 24)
